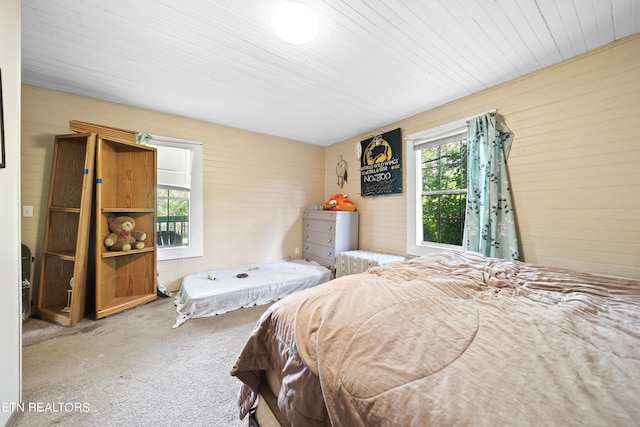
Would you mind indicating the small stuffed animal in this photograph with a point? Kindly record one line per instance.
(340, 202)
(123, 236)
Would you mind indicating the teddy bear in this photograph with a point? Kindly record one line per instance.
(123, 236)
(340, 202)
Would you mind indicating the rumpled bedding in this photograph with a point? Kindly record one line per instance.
(452, 339)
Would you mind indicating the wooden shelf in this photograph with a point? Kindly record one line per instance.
(128, 210)
(55, 314)
(65, 255)
(67, 229)
(63, 209)
(112, 254)
(119, 304)
(126, 185)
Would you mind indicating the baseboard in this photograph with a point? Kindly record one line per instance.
(13, 420)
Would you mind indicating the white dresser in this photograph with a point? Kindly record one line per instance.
(327, 233)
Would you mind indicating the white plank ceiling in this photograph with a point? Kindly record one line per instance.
(374, 62)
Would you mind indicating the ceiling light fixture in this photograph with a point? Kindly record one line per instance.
(294, 22)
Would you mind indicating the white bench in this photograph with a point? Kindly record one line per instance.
(352, 262)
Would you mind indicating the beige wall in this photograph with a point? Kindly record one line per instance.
(574, 164)
(255, 186)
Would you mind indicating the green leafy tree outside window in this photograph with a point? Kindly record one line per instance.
(444, 195)
(172, 216)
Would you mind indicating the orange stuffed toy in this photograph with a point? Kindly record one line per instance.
(340, 202)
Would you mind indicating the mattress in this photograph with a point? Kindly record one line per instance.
(452, 339)
(217, 291)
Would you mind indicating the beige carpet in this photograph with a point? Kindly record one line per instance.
(133, 369)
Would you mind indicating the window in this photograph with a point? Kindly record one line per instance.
(444, 187)
(437, 188)
(173, 216)
(179, 198)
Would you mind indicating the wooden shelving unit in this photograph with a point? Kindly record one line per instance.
(67, 230)
(76, 225)
(125, 185)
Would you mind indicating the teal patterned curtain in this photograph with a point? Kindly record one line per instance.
(490, 226)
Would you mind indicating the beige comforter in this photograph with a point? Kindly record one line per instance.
(452, 339)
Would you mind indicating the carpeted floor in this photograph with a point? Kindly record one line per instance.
(133, 369)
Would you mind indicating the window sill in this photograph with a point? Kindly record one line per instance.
(431, 248)
(166, 254)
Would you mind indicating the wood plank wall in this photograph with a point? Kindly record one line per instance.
(574, 164)
(255, 186)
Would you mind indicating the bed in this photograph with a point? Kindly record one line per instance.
(449, 339)
(220, 290)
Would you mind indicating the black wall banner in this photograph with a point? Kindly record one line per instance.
(381, 164)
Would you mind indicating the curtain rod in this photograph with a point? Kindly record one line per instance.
(488, 112)
(494, 111)
(444, 130)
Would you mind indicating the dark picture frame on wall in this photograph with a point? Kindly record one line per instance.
(381, 164)
(2, 161)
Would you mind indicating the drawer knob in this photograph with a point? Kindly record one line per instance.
(329, 240)
(331, 227)
(328, 253)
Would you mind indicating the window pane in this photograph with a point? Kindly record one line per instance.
(443, 218)
(162, 207)
(431, 169)
(444, 170)
(173, 217)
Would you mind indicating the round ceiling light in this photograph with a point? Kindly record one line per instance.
(294, 22)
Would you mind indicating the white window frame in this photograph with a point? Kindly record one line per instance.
(196, 202)
(433, 136)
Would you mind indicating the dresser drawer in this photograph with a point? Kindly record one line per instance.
(325, 262)
(327, 239)
(327, 252)
(320, 226)
(321, 215)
